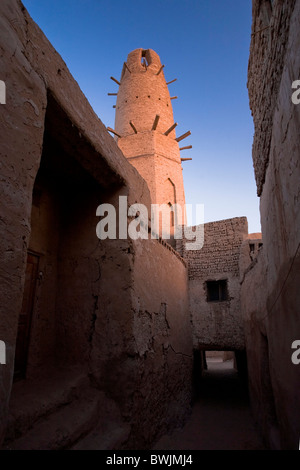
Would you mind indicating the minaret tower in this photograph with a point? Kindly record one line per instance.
(145, 127)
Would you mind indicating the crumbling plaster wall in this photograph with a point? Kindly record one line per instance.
(270, 291)
(158, 352)
(117, 361)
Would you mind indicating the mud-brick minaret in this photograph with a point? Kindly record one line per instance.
(145, 127)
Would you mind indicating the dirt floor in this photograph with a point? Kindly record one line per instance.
(221, 417)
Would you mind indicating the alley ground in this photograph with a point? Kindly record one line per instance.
(221, 418)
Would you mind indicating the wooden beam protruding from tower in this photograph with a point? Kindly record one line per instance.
(171, 128)
(115, 80)
(186, 148)
(183, 136)
(172, 81)
(155, 122)
(112, 94)
(127, 67)
(113, 131)
(133, 127)
(160, 70)
(173, 97)
(185, 159)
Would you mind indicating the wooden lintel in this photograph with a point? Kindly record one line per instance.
(127, 67)
(171, 128)
(112, 94)
(133, 127)
(113, 131)
(186, 148)
(172, 81)
(155, 122)
(115, 80)
(183, 136)
(160, 70)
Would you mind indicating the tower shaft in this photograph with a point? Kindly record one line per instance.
(145, 125)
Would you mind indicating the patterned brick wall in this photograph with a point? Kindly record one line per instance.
(217, 324)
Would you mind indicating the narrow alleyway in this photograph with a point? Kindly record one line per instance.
(221, 417)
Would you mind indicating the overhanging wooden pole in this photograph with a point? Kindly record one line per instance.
(133, 127)
(183, 136)
(113, 131)
(115, 80)
(172, 81)
(186, 148)
(160, 70)
(112, 94)
(171, 128)
(185, 159)
(155, 122)
(127, 67)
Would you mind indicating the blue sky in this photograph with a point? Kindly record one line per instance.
(205, 45)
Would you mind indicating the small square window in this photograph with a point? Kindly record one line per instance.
(217, 291)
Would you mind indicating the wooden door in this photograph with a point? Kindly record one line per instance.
(23, 336)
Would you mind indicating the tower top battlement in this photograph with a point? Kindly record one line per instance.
(143, 99)
(141, 61)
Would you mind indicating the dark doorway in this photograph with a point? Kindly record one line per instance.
(23, 335)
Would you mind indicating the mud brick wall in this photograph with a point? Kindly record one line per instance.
(218, 324)
(270, 31)
(270, 291)
(108, 308)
